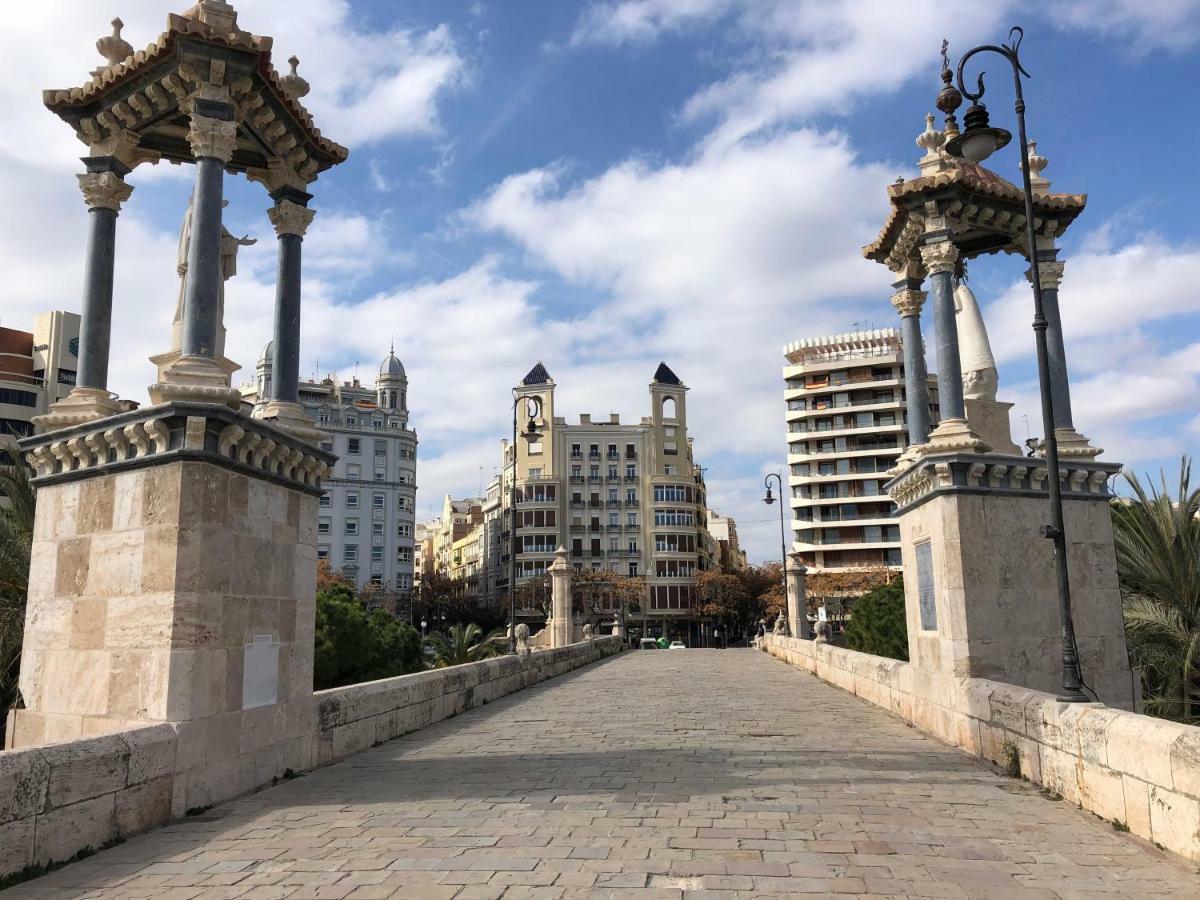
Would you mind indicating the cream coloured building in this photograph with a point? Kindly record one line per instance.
(367, 516)
(623, 497)
(37, 368)
(846, 427)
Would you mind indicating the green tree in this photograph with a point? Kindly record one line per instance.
(462, 644)
(353, 644)
(16, 538)
(1157, 539)
(877, 624)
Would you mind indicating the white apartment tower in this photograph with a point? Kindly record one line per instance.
(846, 427)
(366, 520)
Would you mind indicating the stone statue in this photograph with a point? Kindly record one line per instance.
(824, 631)
(587, 631)
(522, 632)
(974, 350)
(780, 625)
(229, 252)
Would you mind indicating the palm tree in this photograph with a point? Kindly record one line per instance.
(462, 644)
(16, 536)
(1158, 562)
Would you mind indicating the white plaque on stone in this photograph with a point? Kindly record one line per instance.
(260, 672)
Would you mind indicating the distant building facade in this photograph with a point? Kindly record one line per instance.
(728, 550)
(845, 428)
(366, 525)
(37, 368)
(626, 498)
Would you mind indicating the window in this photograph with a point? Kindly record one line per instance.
(631, 496)
(353, 471)
(352, 500)
(377, 529)
(633, 570)
(352, 526)
(593, 451)
(323, 526)
(633, 546)
(612, 451)
(612, 495)
(673, 517)
(403, 530)
(668, 469)
(612, 472)
(631, 471)
(535, 473)
(326, 500)
(576, 471)
(612, 545)
(350, 553)
(351, 422)
(377, 501)
(322, 553)
(631, 451)
(353, 444)
(672, 493)
(380, 475)
(377, 579)
(631, 520)
(612, 520)
(376, 554)
(377, 423)
(327, 446)
(593, 471)
(576, 451)
(381, 446)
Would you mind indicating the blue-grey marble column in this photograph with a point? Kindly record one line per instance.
(908, 301)
(213, 136)
(291, 219)
(104, 190)
(939, 258)
(1050, 271)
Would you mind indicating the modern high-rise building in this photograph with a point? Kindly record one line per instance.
(37, 368)
(626, 498)
(366, 518)
(846, 427)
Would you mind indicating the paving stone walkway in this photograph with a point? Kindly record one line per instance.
(677, 774)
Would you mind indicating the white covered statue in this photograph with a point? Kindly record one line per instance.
(974, 350)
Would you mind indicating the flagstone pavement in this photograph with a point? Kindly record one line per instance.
(666, 774)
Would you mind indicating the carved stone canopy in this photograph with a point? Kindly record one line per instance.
(982, 213)
(137, 109)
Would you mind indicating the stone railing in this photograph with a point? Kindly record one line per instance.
(178, 430)
(60, 799)
(1138, 772)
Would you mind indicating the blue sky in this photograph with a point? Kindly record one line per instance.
(604, 185)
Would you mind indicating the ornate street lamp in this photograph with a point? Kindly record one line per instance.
(530, 434)
(977, 142)
(769, 499)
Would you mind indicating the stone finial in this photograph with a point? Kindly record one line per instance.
(113, 47)
(1037, 162)
(930, 140)
(293, 85)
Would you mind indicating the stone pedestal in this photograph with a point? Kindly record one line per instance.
(979, 576)
(562, 631)
(989, 420)
(797, 607)
(173, 580)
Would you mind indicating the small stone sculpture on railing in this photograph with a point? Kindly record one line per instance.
(824, 631)
(780, 625)
(522, 639)
(587, 631)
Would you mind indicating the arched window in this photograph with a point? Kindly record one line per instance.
(668, 408)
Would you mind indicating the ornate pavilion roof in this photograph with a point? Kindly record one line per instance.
(984, 212)
(135, 99)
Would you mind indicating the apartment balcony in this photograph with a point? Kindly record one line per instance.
(847, 430)
(633, 502)
(576, 479)
(594, 479)
(612, 503)
(828, 406)
(849, 452)
(577, 529)
(834, 477)
(612, 476)
(631, 478)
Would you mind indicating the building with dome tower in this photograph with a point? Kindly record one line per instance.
(366, 517)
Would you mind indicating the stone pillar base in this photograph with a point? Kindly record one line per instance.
(195, 379)
(980, 588)
(1072, 445)
(173, 579)
(953, 435)
(82, 405)
(292, 418)
(989, 420)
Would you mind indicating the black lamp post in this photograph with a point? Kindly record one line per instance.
(976, 143)
(531, 435)
(769, 499)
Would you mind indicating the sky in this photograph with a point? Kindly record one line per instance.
(602, 185)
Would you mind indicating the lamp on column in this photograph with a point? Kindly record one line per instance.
(977, 142)
(769, 499)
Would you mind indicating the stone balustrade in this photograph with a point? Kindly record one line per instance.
(59, 799)
(178, 430)
(1140, 772)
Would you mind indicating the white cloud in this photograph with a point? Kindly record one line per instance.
(643, 20)
(1139, 26)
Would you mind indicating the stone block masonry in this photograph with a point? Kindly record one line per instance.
(1135, 771)
(58, 799)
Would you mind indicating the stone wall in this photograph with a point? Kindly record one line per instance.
(1122, 766)
(58, 799)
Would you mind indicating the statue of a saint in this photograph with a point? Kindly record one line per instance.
(229, 252)
(974, 350)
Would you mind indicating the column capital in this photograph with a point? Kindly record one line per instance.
(290, 218)
(104, 190)
(908, 302)
(939, 257)
(211, 137)
(1050, 272)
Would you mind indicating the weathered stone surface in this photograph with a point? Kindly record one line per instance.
(88, 768)
(24, 776)
(707, 774)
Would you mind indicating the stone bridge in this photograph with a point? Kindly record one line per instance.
(669, 774)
